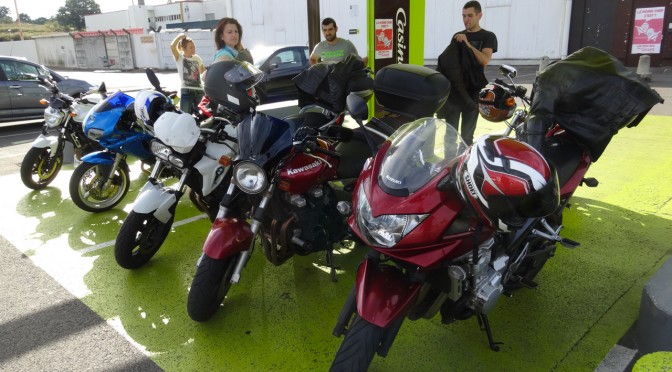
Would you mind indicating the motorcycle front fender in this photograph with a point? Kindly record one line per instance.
(157, 199)
(227, 237)
(42, 142)
(384, 294)
(99, 157)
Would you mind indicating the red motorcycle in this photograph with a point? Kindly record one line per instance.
(451, 230)
(288, 178)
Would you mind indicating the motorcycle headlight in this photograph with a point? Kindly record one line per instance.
(388, 229)
(249, 177)
(94, 133)
(164, 152)
(53, 117)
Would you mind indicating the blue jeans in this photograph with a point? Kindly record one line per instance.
(189, 100)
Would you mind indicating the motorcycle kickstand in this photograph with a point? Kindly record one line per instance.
(484, 324)
(330, 260)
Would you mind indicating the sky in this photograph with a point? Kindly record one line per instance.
(48, 8)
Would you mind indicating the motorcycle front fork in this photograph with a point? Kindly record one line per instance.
(117, 160)
(255, 227)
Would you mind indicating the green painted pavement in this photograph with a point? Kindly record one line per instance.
(280, 318)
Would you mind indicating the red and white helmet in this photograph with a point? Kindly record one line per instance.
(506, 181)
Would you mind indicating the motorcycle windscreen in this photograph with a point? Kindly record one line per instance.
(106, 113)
(419, 151)
(263, 138)
(116, 100)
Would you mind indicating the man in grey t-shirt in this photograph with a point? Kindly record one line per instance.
(333, 49)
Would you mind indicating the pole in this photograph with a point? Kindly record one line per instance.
(313, 23)
(18, 19)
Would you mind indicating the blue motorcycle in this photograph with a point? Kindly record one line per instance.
(101, 181)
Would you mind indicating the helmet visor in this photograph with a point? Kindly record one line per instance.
(539, 203)
(244, 73)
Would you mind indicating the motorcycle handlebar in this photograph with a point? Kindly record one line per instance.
(317, 148)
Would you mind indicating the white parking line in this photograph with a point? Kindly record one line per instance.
(110, 243)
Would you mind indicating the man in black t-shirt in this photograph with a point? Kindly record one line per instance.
(463, 62)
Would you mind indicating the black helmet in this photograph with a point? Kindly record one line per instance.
(230, 83)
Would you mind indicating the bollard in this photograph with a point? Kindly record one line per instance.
(644, 67)
(543, 62)
(654, 323)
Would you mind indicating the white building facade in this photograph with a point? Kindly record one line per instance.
(526, 29)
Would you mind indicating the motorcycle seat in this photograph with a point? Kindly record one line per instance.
(564, 155)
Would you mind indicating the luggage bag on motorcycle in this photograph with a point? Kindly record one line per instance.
(328, 84)
(592, 95)
(410, 90)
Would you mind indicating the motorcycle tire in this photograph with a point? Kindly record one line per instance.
(359, 346)
(38, 170)
(140, 237)
(210, 285)
(86, 183)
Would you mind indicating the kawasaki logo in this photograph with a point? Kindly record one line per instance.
(310, 166)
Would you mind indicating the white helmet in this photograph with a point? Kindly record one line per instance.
(149, 105)
(179, 131)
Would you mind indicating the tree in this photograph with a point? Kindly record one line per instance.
(40, 21)
(72, 14)
(25, 18)
(4, 12)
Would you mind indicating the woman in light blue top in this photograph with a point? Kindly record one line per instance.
(228, 38)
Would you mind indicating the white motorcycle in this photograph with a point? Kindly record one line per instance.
(63, 118)
(194, 154)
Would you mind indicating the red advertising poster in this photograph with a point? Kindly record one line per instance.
(648, 32)
(384, 39)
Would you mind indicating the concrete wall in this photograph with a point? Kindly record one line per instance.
(24, 48)
(203, 39)
(57, 51)
(146, 51)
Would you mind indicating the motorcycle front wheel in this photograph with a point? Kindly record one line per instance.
(359, 346)
(86, 187)
(210, 285)
(38, 168)
(140, 237)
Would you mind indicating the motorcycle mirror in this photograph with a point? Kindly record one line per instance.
(357, 107)
(509, 71)
(102, 90)
(153, 79)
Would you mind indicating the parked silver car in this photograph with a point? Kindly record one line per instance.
(20, 92)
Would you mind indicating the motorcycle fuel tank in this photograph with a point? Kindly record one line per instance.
(305, 171)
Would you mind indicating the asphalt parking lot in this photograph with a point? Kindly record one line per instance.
(66, 305)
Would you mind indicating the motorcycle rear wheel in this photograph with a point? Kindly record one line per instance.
(359, 346)
(209, 287)
(140, 237)
(89, 178)
(38, 170)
